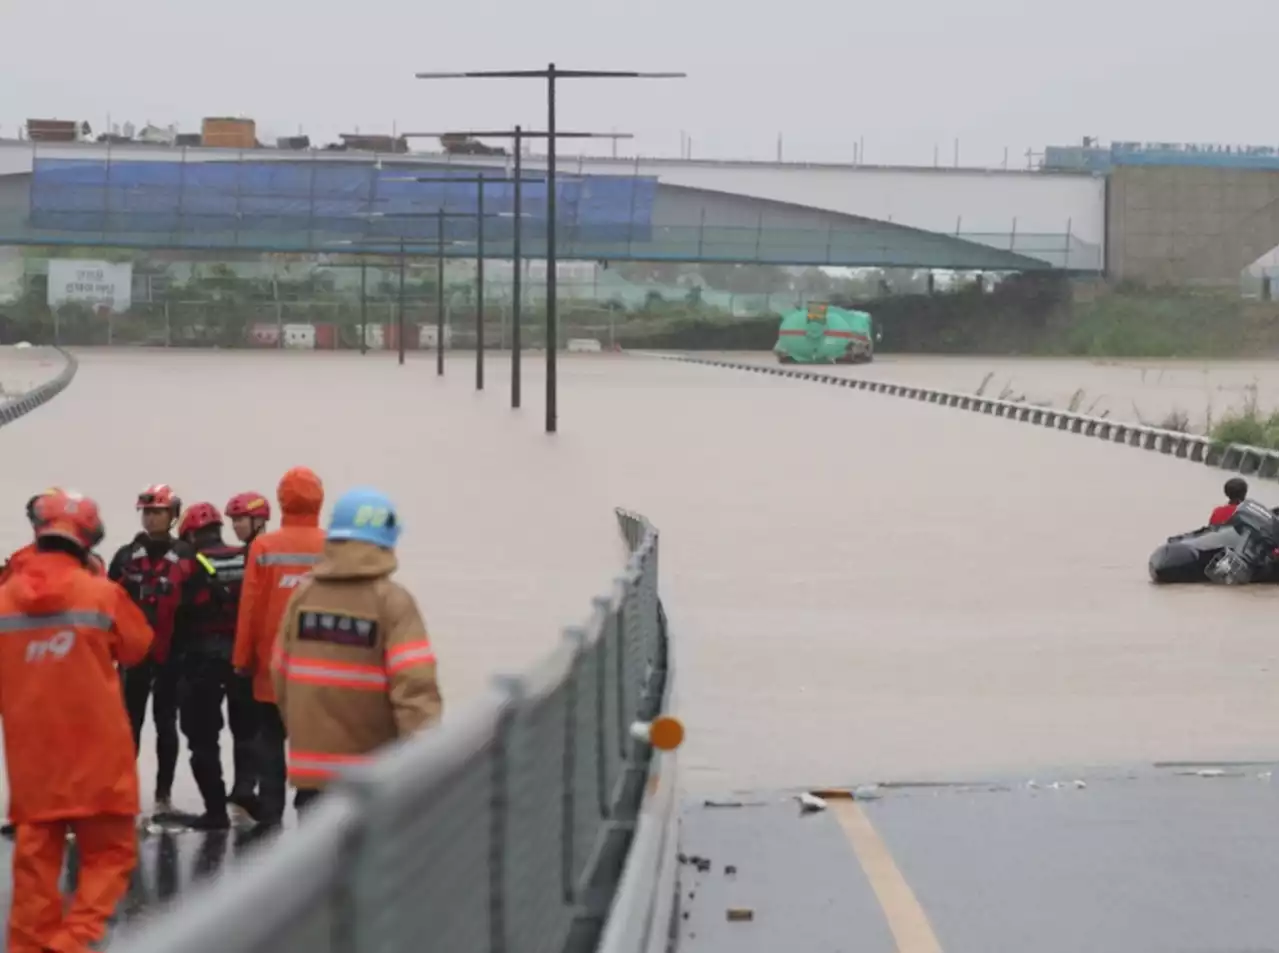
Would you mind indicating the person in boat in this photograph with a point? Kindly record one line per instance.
(1235, 490)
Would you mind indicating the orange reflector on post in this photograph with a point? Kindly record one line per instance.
(666, 733)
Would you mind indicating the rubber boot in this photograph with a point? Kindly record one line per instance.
(245, 804)
(208, 775)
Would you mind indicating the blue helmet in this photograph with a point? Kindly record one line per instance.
(365, 515)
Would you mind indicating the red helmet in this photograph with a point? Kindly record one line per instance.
(249, 504)
(159, 497)
(199, 516)
(70, 516)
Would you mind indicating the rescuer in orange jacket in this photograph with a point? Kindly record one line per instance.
(18, 558)
(67, 739)
(95, 564)
(275, 565)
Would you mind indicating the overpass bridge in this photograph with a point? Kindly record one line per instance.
(263, 200)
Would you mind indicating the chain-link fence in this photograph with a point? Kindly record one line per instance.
(325, 303)
(504, 830)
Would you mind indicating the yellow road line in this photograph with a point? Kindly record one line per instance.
(908, 922)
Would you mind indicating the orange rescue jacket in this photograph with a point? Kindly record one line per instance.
(354, 667)
(16, 559)
(67, 740)
(276, 563)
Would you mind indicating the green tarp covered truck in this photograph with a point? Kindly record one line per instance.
(825, 334)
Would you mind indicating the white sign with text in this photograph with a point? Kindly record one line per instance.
(99, 284)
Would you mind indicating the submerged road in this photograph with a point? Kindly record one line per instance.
(864, 589)
(25, 368)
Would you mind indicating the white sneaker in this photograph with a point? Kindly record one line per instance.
(163, 806)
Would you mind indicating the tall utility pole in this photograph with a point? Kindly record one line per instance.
(551, 74)
(440, 216)
(517, 137)
(400, 309)
(479, 181)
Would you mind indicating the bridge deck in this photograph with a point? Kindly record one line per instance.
(1162, 858)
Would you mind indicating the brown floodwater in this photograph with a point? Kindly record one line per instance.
(861, 587)
(22, 369)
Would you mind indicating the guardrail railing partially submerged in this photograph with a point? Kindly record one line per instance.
(1255, 461)
(14, 407)
(537, 820)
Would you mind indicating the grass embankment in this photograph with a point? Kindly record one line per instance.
(1248, 427)
(1162, 325)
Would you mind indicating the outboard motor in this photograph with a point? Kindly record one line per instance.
(1255, 556)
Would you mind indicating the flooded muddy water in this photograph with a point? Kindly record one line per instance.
(22, 369)
(861, 587)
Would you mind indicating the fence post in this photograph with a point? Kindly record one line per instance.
(499, 808)
(578, 638)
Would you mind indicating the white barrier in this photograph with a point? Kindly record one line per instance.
(1251, 461)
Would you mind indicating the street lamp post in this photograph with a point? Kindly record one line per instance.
(364, 315)
(517, 137)
(400, 309)
(402, 244)
(480, 181)
(550, 74)
(439, 215)
(440, 294)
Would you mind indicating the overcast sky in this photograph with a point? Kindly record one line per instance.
(904, 76)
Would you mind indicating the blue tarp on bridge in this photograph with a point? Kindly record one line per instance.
(338, 197)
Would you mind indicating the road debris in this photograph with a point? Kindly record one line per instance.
(810, 803)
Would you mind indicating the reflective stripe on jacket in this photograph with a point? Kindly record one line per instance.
(275, 566)
(354, 667)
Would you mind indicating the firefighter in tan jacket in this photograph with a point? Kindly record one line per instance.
(353, 667)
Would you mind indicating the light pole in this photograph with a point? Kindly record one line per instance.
(517, 137)
(402, 244)
(440, 215)
(479, 181)
(550, 74)
(440, 294)
(364, 314)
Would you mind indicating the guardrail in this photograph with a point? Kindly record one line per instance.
(16, 407)
(1251, 461)
(509, 828)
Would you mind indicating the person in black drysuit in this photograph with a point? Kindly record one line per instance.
(151, 572)
(204, 638)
